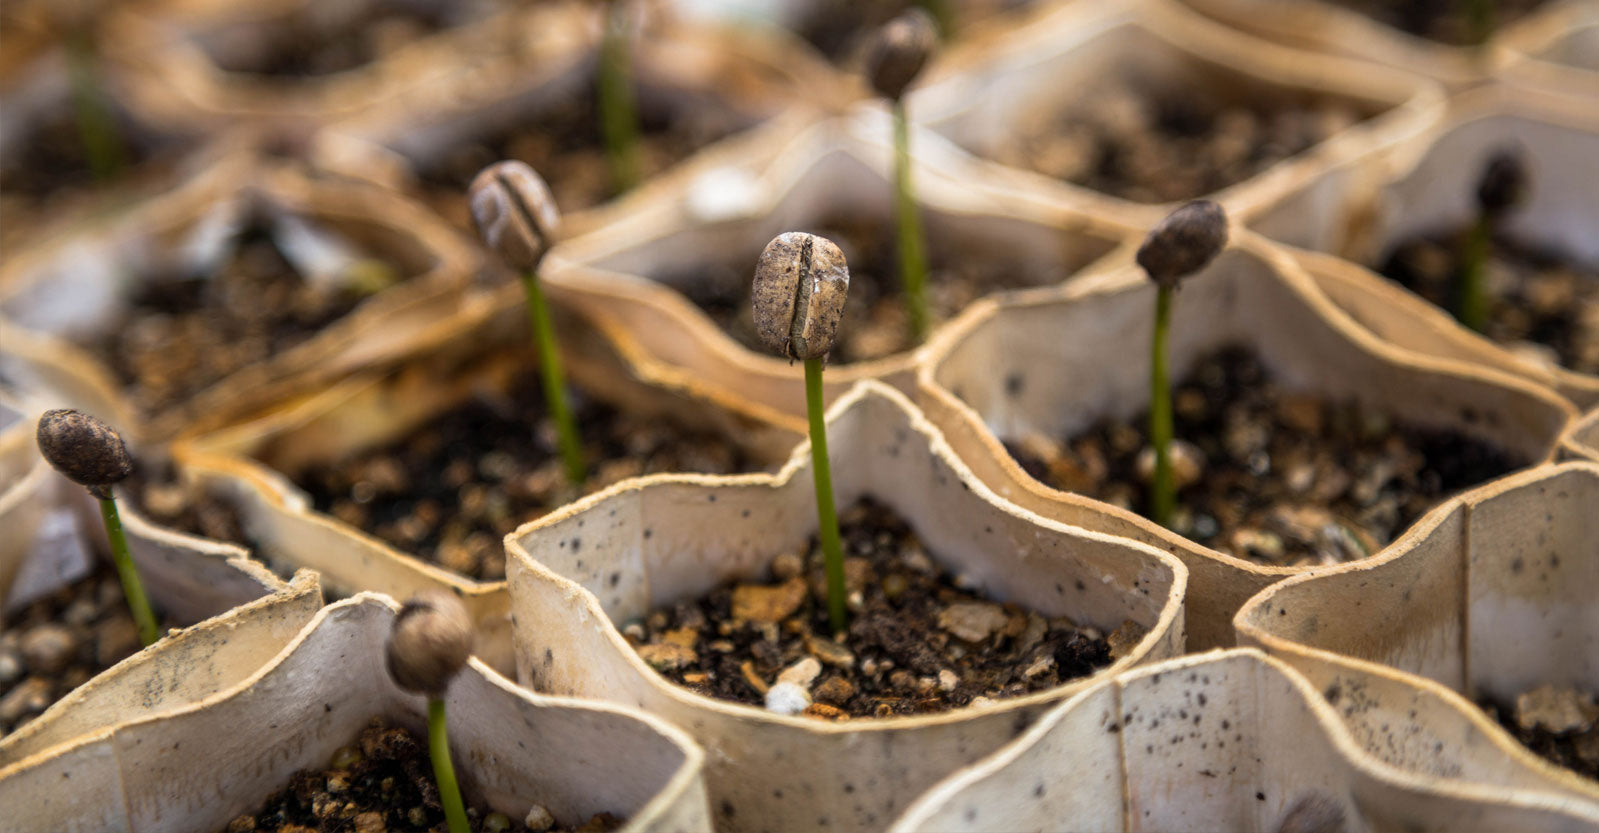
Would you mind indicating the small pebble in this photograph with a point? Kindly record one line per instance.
(787, 698)
(48, 648)
(538, 819)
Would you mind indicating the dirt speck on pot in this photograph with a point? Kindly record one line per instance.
(1273, 476)
(919, 641)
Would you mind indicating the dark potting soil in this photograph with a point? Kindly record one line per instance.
(452, 489)
(383, 783)
(179, 334)
(59, 642)
(841, 29)
(875, 322)
(1444, 21)
(1536, 297)
(1180, 141)
(301, 47)
(163, 498)
(1574, 745)
(563, 143)
(1270, 475)
(917, 642)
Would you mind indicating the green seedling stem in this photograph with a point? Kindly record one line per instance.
(1162, 496)
(538, 312)
(96, 129)
(912, 257)
(132, 587)
(1472, 305)
(444, 768)
(826, 513)
(1479, 16)
(618, 110)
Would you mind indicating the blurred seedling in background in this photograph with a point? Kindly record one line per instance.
(1503, 186)
(801, 282)
(517, 219)
(91, 453)
(618, 107)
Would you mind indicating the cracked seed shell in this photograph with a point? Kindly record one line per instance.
(801, 282)
(1184, 242)
(429, 643)
(515, 213)
(84, 449)
(898, 52)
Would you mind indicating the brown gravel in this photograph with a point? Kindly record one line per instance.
(1183, 140)
(1540, 304)
(563, 143)
(875, 324)
(917, 642)
(179, 334)
(1438, 20)
(452, 489)
(58, 643)
(1561, 725)
(383, 783)
(1278, 477)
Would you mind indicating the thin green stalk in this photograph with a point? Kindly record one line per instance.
(826, 513)
(618, 111)
(1472, 304)
(444, 768)
(912, 257)
(96, 129)
(1479, 21)
(132, 588)
(538, 313)
(1162, 496)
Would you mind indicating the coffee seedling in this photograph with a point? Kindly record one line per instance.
(801, 282)
(91, 453)
(618, 110)
(517, 219)
(428, 645)
(1180, 245)
(1503, 186)
(97, 130)
(897, 55)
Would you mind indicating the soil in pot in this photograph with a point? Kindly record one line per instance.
(1178, 139)
(59, 642)
(1444, 21)
(1539, 303)
(920, 641)
(1560, 724)
(308, 45)
(451, 489)
(158, 493)
(875, 323)
(1267, 474)
(562, 141)
(384, 782)
(177, 334)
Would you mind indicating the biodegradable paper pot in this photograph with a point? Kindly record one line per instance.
(981, 94)
(183, 668)
(1324, 27)
(1508, 580)
(512, 748)
(614, 556)
(487, 348)
(1435, 190)
(66, 290)
(840, 168)
(1232, 740)
(1582, 438)
(200, 57)
(1057, 365)
(1559, 51)
(763, 87)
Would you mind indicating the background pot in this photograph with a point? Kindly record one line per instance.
(631, 276)
(1559, 51)
(1124, 756)
(1504, 567)
(42, 291)
(1431, 190)
(512, 748)
(1056, 364)
(981, 96)
(577, 573)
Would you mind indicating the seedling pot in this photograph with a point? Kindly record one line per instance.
(1055, 365)
(1229, 740)
(579, 573)
(1504, 564)
(514, 748)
